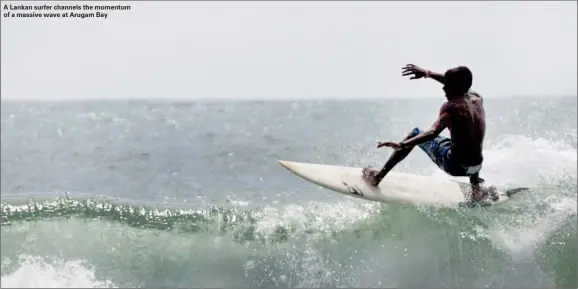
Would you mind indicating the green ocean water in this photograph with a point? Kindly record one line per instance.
(189, 194)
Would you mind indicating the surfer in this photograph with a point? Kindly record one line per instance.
(463, 114)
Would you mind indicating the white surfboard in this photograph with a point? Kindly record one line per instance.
(395, 187)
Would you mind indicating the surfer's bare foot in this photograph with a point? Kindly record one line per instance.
(478, 196)
(485, 193)
(370, 176)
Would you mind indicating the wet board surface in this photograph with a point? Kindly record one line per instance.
(396, 186)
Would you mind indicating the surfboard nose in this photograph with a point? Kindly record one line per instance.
(291, 166)
(285, 164)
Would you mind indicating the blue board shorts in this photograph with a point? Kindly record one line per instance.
(439, 151)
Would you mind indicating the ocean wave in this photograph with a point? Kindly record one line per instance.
(312, 244)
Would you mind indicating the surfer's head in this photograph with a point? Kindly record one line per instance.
(457, 82)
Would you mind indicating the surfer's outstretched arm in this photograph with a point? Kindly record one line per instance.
(419, 72)
(436, 76)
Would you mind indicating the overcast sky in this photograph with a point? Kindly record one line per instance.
(284, 50)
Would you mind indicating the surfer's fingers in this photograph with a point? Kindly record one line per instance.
(408, 72)
(414, 77)
(407, 67)
(386, 144)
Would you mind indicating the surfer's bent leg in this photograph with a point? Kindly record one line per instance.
(397, 156)
(439, 151)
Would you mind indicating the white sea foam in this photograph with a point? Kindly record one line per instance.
(36, 272)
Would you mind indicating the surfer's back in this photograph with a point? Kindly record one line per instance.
(468, 128)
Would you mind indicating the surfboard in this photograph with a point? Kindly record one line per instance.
(396, 187)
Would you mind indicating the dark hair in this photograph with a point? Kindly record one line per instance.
(461, 77)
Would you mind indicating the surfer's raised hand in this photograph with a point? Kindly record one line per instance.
(393, 145)
(414, 70)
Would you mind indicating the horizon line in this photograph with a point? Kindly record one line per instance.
(182, 99)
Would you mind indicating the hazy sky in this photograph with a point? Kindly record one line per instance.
(290, 50)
